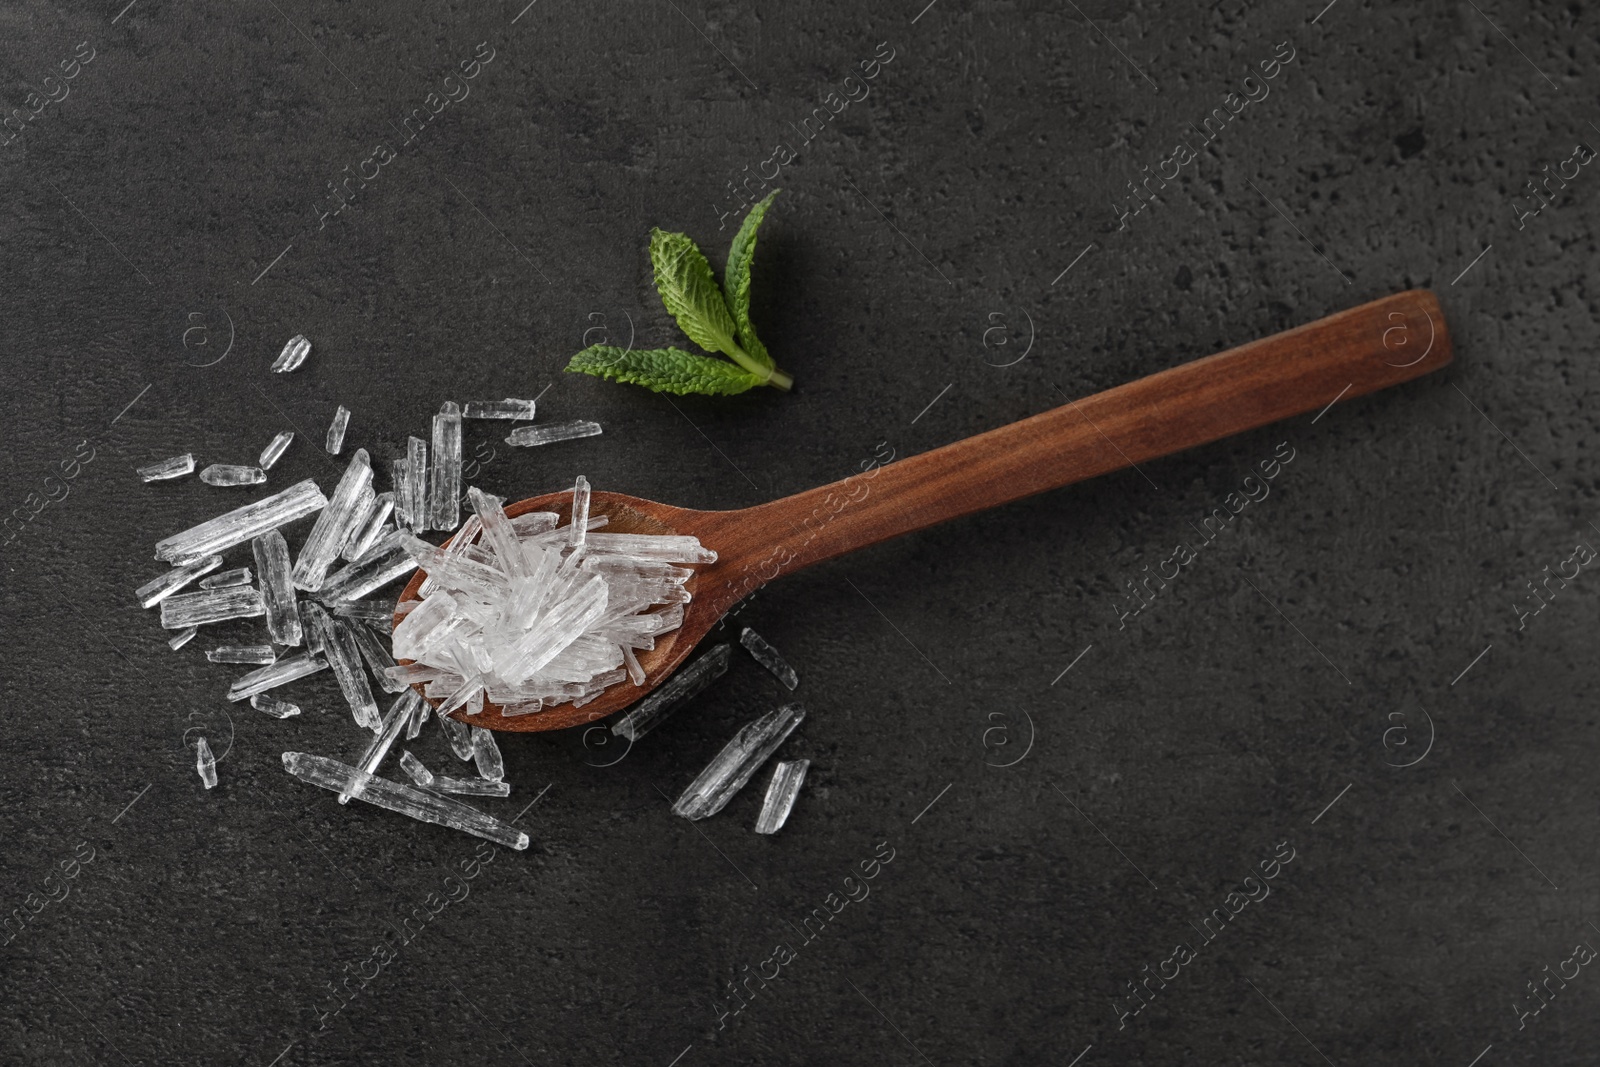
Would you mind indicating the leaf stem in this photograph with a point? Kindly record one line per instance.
(769, 375)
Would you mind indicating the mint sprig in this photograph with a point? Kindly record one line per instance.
(716, 319)
(664, 370)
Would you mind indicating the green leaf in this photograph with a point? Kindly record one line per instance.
(736, 281)
(664, 370)
(690, 292)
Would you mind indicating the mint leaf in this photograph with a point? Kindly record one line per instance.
(664, 370)
(690, 292)
(736, 281)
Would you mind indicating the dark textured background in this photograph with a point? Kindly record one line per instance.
(163, 215)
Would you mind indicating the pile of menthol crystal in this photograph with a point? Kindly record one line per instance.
(526, 611)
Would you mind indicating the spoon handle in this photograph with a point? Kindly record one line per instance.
(1305, 369)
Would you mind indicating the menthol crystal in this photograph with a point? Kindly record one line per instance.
(372, 612)
(277, 588)
(579, 524)
(210, 605)
(364, 533)
(278, 709)
(477, 787)
(237, 576)
(232, 474)
(243, 523)
(740, 758)
(768, 657)
(378, 658)
(418, 508)
(383, 563)
(333, 525)
(399, 478)
(459, 735)
(508, 408)
(344, 658)
(275, 674)
(486, 753)
(183, 638)
(418, 804)
(176, 467)
(444, 477)
(394, 720)
(341, 420)
(242, 654)
(781, 792)
(672, 694)
(532, 616)
(274, 450)
(415, 770)
(294, 353)
(158, 589)
(549, 434)
(205, 763)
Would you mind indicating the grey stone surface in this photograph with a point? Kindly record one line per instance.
(160, 241)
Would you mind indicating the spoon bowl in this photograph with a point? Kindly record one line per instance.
(1309, 368)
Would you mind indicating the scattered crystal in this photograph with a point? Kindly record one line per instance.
(364, 534)
(781, 791)
(371, 612)
(211, 605)
(333, 525)
(274, 675)
(418, 507)
(768, 657)
(205, 763)
(560, 431)
(418, 719)
(277, 588)
(459, 734)
(444, 481)
(359, 509)
(242, 654)
(477, 787)
(176, 467)
(579, 526)
(486, 754)
(739, 759)
(463, 539)
(339, 645)
(387, 561)
(399, 476)
(341, 421)
(509, 408)
(278, 709)
(241, 524)
(275, 450)
(237, 576)
(232, 474)
(394, 720)
(414, 768)
(423, 806)
(156, 590)
(674, 693)
(183, 638)
(378, 659)
(294, 353)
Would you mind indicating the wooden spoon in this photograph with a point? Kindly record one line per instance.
(1343, 356)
